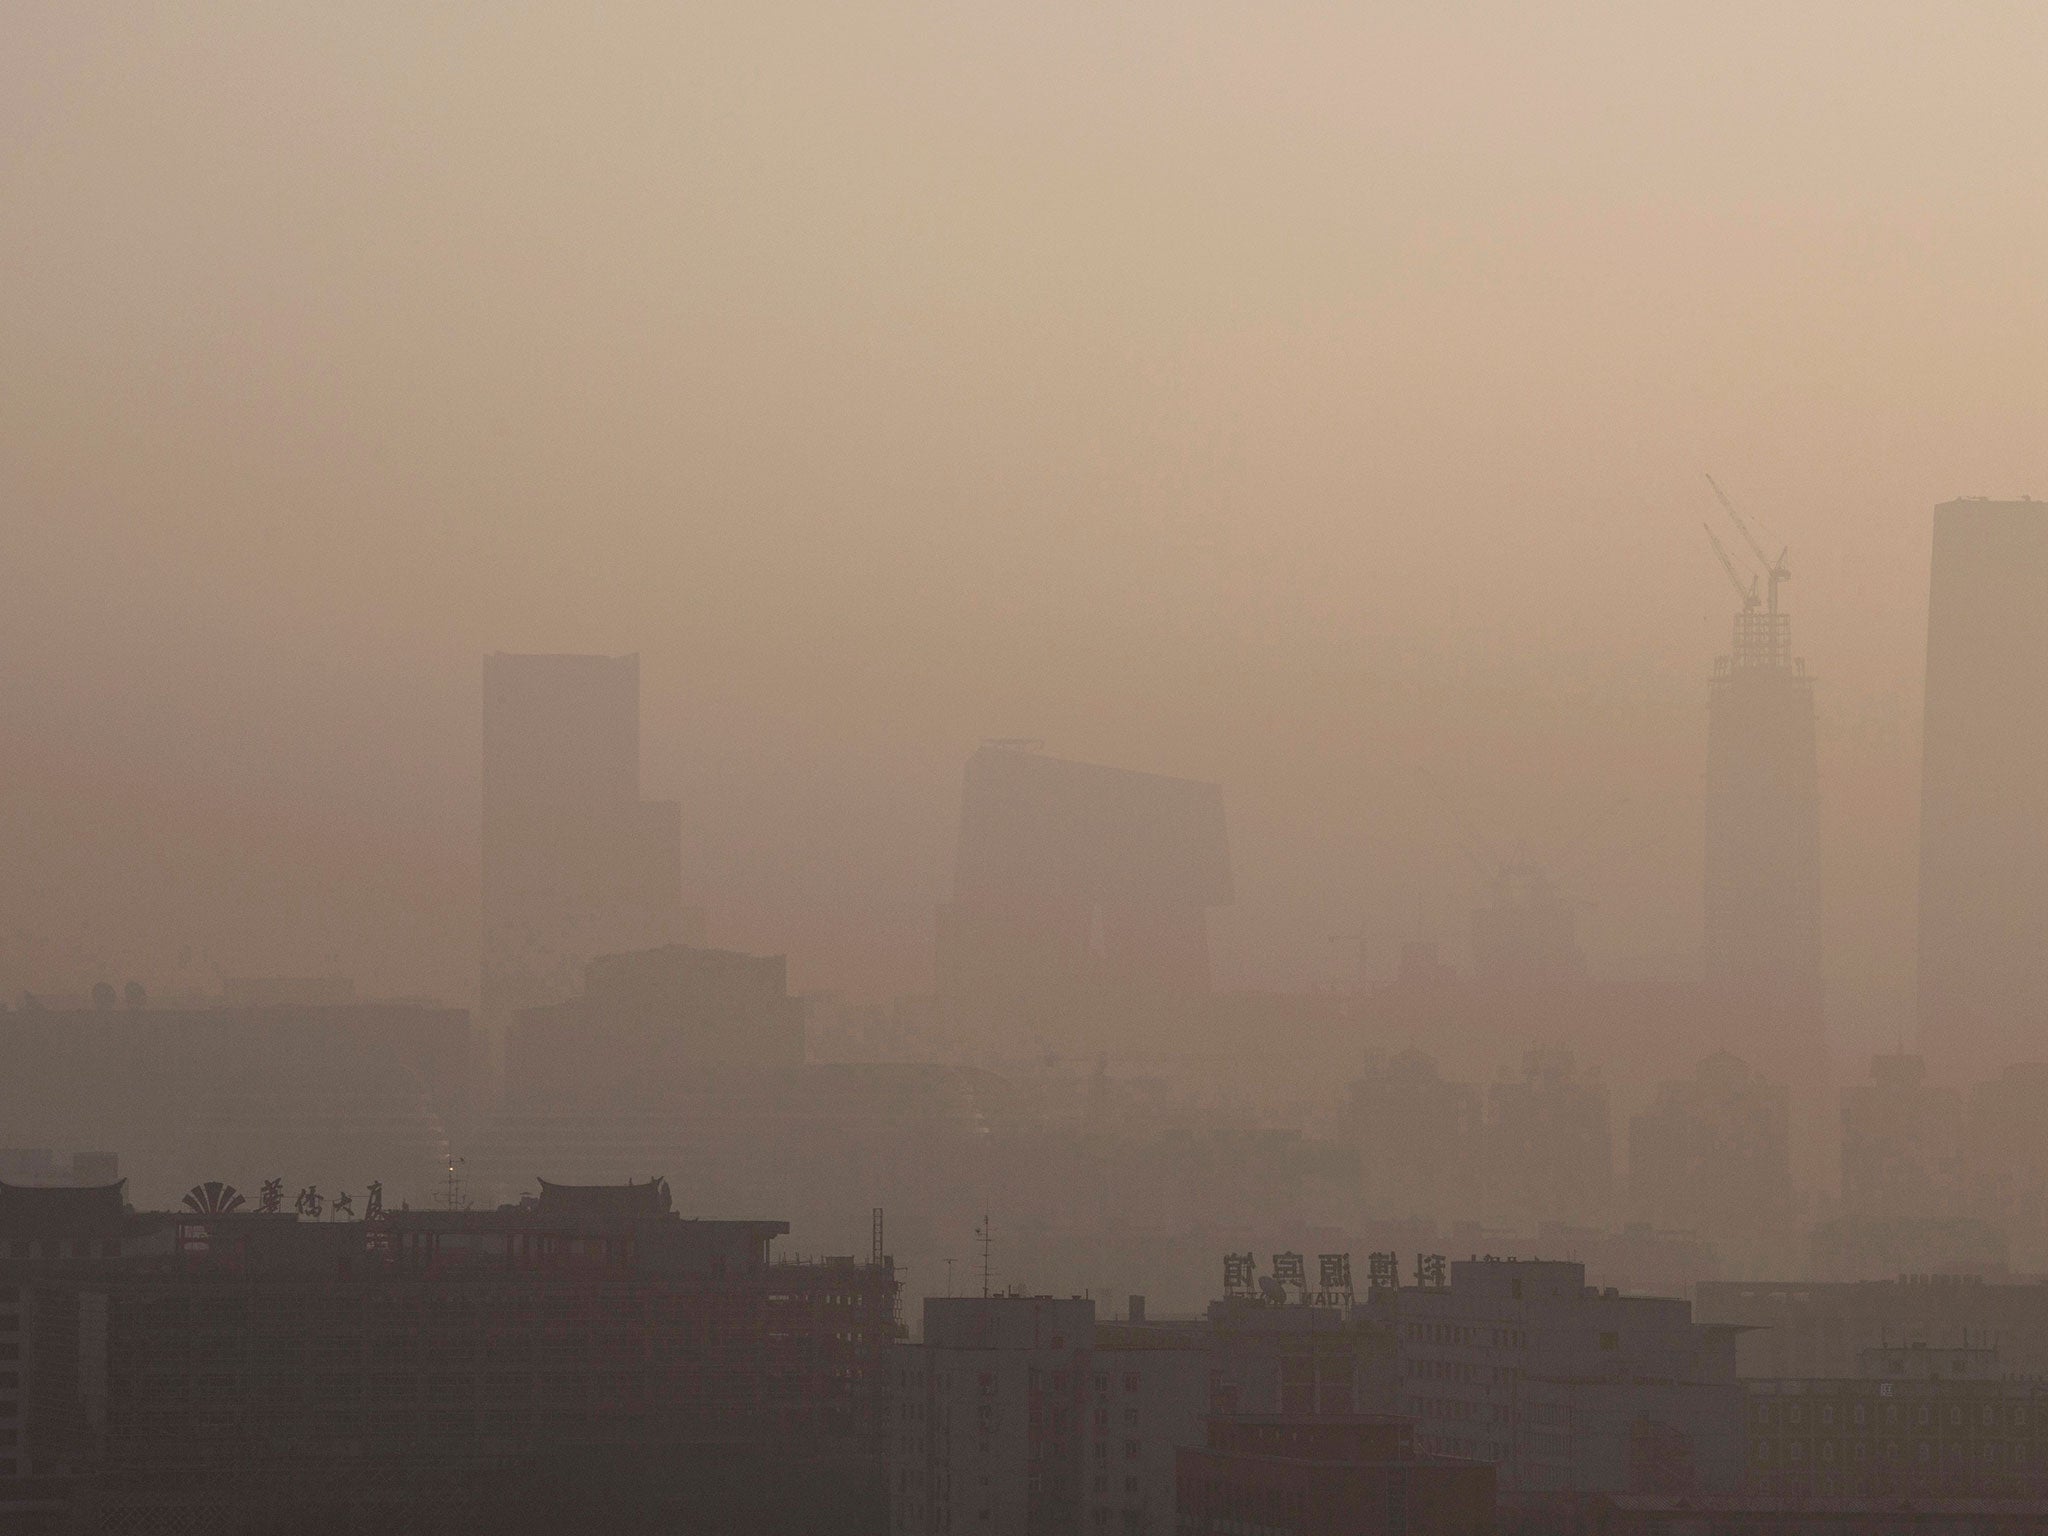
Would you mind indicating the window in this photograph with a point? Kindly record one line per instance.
(1130, 1450)
(1130, 1381)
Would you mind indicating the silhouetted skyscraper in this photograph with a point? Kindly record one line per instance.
(1077, 886)
(575, 863)
(1984, 788)
(1763, 935)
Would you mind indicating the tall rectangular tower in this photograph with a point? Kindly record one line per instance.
(1983, 993)
(1763, 921)
(575, 863)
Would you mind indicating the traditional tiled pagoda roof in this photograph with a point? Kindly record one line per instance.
(628, 1199)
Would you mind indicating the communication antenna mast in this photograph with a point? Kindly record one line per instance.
(985, 1236)
(1775, 571)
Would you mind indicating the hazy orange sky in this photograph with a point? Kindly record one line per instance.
(1310, 397)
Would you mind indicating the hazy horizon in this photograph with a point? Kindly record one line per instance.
(1313, 399)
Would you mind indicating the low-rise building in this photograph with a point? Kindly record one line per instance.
(1820, 1329)
(1020, 1414)
(1327, 1475)
(587, 1354)
(1519, 1363)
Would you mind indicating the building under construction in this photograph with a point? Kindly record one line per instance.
(1763, 894)
(1078, 891)
(583, 1360)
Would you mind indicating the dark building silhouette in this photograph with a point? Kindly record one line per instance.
(1078, 890)
(1314, 1475)
(649, 1024)
(1901, 1142)
(1549, 1145)
(330, 1093)
(1713, 1154)
(1983, 982)
(1418, 1137)
(1763, 893)
(583, 1360)
(1816, 1329)
(575, 863)
(2005, 1159)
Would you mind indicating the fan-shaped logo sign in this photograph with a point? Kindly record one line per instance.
(213, 1198)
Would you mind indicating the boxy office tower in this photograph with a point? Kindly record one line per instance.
(575, 863)
(1983, 983)
(1079, 916)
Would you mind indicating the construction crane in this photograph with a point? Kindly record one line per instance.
(1775, 571)
(1748, 592)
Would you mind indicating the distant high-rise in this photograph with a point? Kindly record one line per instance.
(1077, 888)
(1984, 788)
(575, 863)
(1763, 933)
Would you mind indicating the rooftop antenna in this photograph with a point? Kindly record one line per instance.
(1775, 571)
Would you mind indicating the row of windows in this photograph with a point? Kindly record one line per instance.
(1460, 1333)
(1893, 1415)
(78, 1249)
(1827, 1452)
